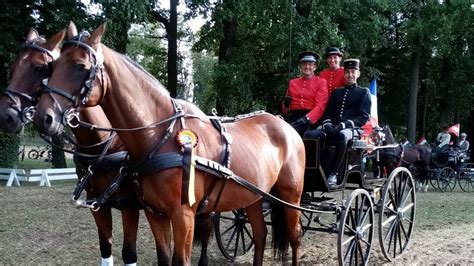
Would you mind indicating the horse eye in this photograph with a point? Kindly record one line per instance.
(40, 69)
(80, 67)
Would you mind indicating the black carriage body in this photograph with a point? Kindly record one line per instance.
(354, 167)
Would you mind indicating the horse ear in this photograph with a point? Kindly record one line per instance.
(96, 36)
(71, 30)
(54, 41)
(33, 34)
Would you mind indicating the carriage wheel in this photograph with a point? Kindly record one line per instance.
(466, 177)
(397, 217)
(433, 179)
(233, 234)
(447, 179)
(356, 229)
(33, 154)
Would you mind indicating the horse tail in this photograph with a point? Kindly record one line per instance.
(280, 241)
(203, 228)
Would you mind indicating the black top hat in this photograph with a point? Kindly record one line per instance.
(308, 56)
(351, 63)
(333, 51)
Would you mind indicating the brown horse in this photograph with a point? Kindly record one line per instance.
(31, 67)
(266, 151)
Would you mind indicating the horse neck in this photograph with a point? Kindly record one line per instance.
(389, 139)
(134, 99)
(87, 137)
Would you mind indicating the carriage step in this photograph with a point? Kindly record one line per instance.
(308, 198)
(371, 181)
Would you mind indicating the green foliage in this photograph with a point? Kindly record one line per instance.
(205, 94)
(145, 48)
(257, 64)
(9, 150)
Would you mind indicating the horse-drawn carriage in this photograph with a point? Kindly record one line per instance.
(448, 167)
(375, 198)
(131, 104)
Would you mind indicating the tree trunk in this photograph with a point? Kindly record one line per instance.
(173, 50)
(227, 43)
(58, 158)
(425, 106)
(414, 83)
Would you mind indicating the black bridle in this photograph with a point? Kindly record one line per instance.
(96, 60)
(27, 112)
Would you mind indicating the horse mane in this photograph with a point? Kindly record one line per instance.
(137, 67)
(140, 67)
(389, 138)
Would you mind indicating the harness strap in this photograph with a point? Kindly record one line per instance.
(158, 163)
(106, 163)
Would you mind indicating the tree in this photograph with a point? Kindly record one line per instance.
(171, 25)
(16, 23)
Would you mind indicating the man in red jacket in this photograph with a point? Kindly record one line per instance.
(334, 75)
(307, 96)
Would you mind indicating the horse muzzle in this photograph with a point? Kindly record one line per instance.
(10, 120)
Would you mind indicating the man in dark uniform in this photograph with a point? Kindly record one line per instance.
(348, 108)
(307, 96)
(334, 75)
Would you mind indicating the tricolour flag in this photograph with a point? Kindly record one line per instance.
(374, 118)
(421, 141)
(455, 129)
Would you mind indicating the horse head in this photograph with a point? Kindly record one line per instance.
(77, 83)
(32, 66)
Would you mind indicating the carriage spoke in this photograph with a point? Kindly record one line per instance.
(362, 216)
(404, 201)
(402, 186)
(392, 200)
(236, 244)
(231, 238)
(399, 230)
(361, 252)
(228, 229)
(390, 231)
(389, 219)
(408, 207)
(394, 239)
(403, 230)
(350, 250)
(349, 239)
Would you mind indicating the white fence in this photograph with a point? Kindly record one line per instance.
(43, 176)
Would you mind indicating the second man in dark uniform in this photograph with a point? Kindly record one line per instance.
(348, 108)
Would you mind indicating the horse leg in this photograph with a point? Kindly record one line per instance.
(160, 227)
(259, 230)
(130, 226)
(202, 233)
(289, 187)
(286, 226)
(182, 221)
(103, 221)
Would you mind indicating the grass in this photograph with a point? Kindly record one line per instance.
(38, 226)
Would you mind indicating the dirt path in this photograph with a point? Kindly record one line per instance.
(39, 226)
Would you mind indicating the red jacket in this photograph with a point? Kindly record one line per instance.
(311, 94)
(335, 78)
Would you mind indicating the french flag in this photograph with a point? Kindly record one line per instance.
(455, 129)
(374, 118)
